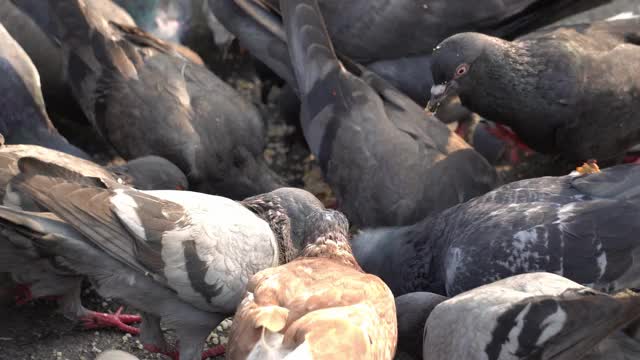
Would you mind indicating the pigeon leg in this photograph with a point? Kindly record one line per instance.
(22, 294)
(173, 354)
(96, 320)
(631, 159)
(508, 136)
(213, 352)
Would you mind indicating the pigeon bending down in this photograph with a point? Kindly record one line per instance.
(395, 38)
(23, 116)
(38, 273)
(319, 306)
(147, 98)
(180, 257)
(583, 227)
(381, 154)
(570, 90)
(534, 316)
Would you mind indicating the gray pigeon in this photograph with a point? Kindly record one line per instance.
(35, 272)
(146, 97)
(570, 90)
(381, 154)
(412, 311)
(180, 257)
(395, 38)
(582, 227)
(44, 53)
(23, 116)
(534, 316)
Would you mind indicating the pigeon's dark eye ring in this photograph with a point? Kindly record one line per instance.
(461, 70)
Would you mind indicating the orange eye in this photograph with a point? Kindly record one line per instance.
(461, 70)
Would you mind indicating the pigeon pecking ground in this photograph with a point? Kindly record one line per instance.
(35, 331)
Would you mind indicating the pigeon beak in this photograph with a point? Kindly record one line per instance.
(440, 93)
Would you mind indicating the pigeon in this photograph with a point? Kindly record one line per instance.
(146, 98)
(581, 226)
(395, 39)
(177, 256)
(412, 311)
(534, 316)
(569, 90)
(32, 270)
(45, 55)
(146, 173)
(23, 116)
(361, 130)
(179, 21)
(319, 306)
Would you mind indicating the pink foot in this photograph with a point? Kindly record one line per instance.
(96, 320)
(173, 354)
(22, 294)
(213, 352)
(631, 159)
(513, 141)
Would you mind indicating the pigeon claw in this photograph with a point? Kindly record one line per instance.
(213, 352)
(97, 320)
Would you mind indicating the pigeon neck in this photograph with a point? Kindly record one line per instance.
(270, 210)
(505, 82)
(332, 245)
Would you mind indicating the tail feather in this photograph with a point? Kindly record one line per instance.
(272, 318)
(310, 48)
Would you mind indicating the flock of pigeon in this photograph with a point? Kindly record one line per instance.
(427, 252)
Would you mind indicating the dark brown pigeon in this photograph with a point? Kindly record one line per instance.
(149, 97)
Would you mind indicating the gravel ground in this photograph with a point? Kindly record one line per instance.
(36, 331)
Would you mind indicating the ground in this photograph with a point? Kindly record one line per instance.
(36, 331)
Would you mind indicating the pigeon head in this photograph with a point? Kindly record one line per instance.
(152, 173)
(287, 211)
(327, 236)
(329, 223)
(453, 63)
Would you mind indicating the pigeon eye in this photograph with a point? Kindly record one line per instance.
(461, 70)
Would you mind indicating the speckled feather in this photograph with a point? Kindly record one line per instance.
(579, 227)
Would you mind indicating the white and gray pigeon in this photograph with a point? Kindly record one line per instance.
(180, 257)
(362, 130)
(148, 97)
(23, 115)
(534, 316)
(34, 272)
(583, 227)
(571, 90)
